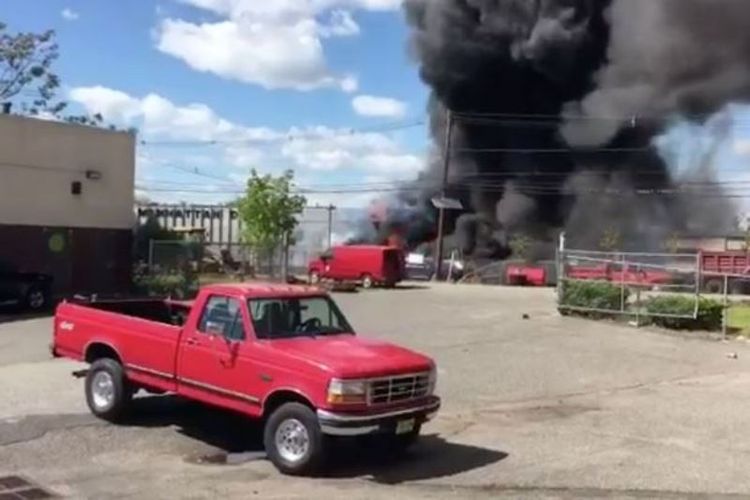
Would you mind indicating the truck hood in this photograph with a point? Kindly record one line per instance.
(349, 356)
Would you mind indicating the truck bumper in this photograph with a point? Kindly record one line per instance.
(349, 424)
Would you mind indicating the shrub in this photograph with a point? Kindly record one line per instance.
(591, 295)
(173, 285)
(710, 313)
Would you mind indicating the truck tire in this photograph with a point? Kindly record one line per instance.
(293, 440)
(713, 286)
(367, 282)
(314, 278)
(37, 298)
(108, 393)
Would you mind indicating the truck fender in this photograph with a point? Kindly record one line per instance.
(284, 395)
(97, 349)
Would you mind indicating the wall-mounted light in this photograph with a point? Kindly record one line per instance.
(93, 175)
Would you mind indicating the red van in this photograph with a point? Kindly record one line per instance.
(369, 264)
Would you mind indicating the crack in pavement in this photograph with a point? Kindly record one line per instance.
(33, 427)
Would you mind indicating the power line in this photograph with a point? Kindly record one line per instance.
(290, 137)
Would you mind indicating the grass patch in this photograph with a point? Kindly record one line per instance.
(739, 319)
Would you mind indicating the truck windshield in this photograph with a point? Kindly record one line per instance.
(296, 317)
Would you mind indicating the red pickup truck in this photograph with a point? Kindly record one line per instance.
(283, 354)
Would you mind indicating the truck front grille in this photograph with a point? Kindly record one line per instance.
(398, 388)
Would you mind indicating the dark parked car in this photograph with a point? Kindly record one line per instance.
(420, 267)
(27, 290)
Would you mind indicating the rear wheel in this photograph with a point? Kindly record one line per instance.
(367, 281)
(108, 393)
(293, 440)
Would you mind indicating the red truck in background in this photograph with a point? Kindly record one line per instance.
(716, 264)
(629, 274)
(370, 265)
(282, 354)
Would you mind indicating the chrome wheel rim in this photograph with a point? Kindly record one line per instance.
(292, 440)
(314, 278)
(367, 282)
(36, 299)
(103, 390)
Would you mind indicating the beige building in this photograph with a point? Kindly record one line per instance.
(66, 202)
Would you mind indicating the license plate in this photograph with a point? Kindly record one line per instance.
(405, 426)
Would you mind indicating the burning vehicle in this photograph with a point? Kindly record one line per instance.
(556, 109)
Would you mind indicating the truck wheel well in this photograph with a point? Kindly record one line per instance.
(281, 397)
(100, 351)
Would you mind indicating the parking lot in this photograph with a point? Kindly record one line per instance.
(535, 405)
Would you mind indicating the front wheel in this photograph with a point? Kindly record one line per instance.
(293, 439)
(108, 393)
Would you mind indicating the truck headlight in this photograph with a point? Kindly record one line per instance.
(432, 381)
(347, 392)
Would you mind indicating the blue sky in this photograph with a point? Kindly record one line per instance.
(301, 84)
(217, 87)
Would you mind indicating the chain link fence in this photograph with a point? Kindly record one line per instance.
(626, 283)
(232, 260)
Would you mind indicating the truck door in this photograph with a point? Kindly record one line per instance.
(212, 365)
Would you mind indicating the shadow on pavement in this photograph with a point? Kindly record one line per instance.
(231, 433)
(432, 457)
(10, 315)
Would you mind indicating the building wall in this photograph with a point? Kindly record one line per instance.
(40, 159)
(83, 241)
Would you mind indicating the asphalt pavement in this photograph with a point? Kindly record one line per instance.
(544, 407)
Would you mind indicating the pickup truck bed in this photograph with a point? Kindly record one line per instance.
(283, 354)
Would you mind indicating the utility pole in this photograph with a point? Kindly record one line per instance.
(443, 193)
(331, 208)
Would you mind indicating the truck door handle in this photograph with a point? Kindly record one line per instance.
(192, 342)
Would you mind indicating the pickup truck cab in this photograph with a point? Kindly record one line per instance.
(283, 354)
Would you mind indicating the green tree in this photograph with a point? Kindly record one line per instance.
(520, 245)
(672, 245)
(27, 78)
(26, 71)
(269, 211)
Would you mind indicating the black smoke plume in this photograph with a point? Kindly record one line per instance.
(556, 105)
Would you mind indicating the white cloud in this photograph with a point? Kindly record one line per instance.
(742, 147)
(272, 43)
(157, 116)
(317, 154)
(69, 14)
(383, 107)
